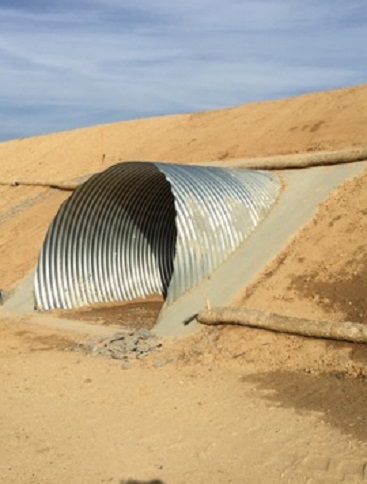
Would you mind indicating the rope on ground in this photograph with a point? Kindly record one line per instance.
(343, 331)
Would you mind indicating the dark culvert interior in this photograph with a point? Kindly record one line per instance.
(140, 234)
(116, 236)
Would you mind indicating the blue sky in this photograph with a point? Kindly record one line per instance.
(73, 63)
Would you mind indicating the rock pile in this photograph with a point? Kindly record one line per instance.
(127, 346)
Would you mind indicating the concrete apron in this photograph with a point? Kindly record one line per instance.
(22, 302)
(305, 190)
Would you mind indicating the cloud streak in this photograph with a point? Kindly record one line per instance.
(93, 61)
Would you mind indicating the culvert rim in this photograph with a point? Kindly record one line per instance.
(140, 228)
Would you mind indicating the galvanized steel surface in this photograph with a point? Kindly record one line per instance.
(141, 228)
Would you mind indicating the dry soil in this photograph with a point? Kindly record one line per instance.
(227, 404)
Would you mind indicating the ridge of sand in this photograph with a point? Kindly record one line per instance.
(329, 120)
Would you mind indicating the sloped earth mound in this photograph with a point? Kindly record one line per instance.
(332, 120)
(323, 273)
(227, 404)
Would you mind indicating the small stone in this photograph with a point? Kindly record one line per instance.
(117, 337)
(131, 344)
(143, 333)
(89, 346)
(143, 346)
(105, 352)
(116, 354)
(126, 365)
(142, 354)
(159, 363)
(117, 345)
(101, 339)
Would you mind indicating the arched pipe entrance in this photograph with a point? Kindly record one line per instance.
(141, 228)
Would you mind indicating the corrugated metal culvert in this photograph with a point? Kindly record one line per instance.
(142, 228)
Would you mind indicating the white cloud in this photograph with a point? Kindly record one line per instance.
(94, 61)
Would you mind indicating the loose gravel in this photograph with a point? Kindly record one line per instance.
(126, 346)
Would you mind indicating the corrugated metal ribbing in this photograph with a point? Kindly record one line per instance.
(216, 210)
(141, 228)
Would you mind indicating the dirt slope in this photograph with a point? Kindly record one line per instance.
(319, 121)
(323, 273)
(228, 404)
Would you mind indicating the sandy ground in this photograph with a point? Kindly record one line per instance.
(319, 121)
(227, 404)
(139, 313)
(323, 273)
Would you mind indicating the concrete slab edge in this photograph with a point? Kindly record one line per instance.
(305, 190)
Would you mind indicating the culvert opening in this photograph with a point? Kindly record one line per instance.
(143, 229)
(113, 240)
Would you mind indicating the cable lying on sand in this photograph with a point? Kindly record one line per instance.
(343, 331)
